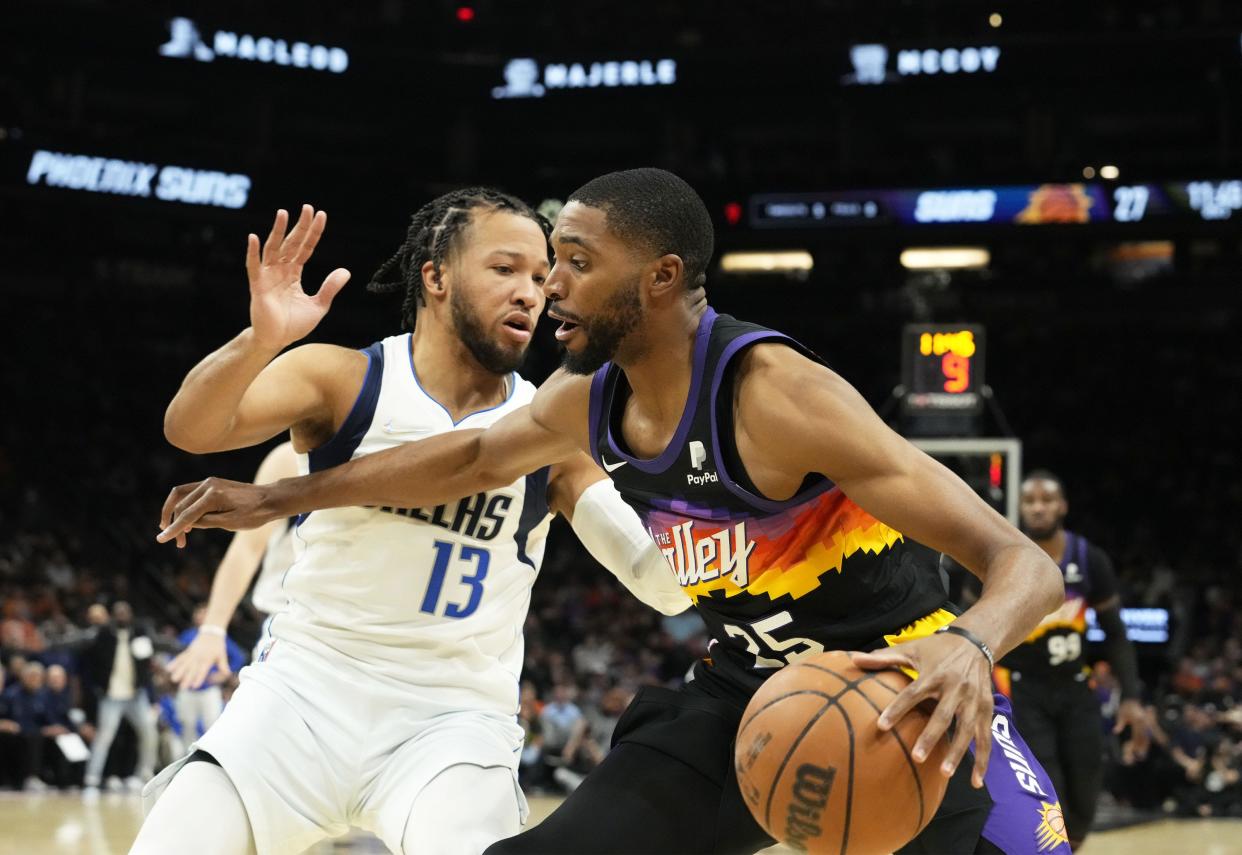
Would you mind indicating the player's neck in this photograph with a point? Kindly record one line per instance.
(448, 372)
(660, 373)
(1054, 545)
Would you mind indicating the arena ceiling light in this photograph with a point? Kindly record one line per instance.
(797, 261)
(946, 258)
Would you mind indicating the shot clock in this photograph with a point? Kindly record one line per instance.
(942, 367)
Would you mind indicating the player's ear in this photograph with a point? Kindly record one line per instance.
(667, 275)
(433, 281)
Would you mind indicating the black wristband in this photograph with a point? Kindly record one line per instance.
(973, 639)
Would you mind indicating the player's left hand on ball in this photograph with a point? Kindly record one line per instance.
(954, 675)
(212, 503)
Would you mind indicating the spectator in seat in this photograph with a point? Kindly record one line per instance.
(116, 665)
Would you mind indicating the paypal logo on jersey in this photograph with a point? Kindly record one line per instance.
(698, 456)
(479, 516)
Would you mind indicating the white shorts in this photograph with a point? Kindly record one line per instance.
(313, 747)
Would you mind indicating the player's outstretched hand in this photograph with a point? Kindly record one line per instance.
(280, 311)
(191, 666)
(213, 503)
(954, 675)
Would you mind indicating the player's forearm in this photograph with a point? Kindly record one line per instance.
(1120, 652)
(205, 407)
(1021, 586)
(234, 575)
(615, 537)
(420, 474)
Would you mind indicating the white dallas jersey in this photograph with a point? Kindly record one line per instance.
(430, 598)
(278, 557)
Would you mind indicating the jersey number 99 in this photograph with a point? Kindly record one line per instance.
(1064, 648)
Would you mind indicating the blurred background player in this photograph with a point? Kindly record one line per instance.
(199, 699)
(1048, 676)
(270, 548)
(417, 612)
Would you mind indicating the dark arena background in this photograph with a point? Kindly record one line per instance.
(1013, 226)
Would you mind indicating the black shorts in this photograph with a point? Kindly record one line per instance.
(1061, 722)
(669, 786)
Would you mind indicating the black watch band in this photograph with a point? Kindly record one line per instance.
(973, 639)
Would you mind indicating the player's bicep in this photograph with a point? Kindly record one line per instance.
(287, 392)
(827, 427)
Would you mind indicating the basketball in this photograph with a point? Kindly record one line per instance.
(817, 772)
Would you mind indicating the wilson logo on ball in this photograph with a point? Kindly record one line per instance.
(810, 793)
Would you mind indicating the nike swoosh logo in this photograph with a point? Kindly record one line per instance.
(614, 466)
(389, 428)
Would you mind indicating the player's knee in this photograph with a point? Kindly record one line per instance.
(199, 812)
(462, 811)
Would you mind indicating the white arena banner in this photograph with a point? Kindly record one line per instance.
(132, 178)
(185, 41)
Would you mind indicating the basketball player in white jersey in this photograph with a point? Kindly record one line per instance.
(268, 551)
(385, 697)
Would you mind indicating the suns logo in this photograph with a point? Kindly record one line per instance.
(1050, 833)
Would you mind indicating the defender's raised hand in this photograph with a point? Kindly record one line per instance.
(281, 312)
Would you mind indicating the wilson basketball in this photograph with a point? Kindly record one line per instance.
(820, 776)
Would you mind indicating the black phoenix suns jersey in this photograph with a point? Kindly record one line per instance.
(1056, 649)
(773, 580)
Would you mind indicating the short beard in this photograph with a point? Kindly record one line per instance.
(1042, 534)
(485, 350)
(606, 331)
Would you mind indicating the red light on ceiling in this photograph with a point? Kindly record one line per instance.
(733, 213)
(465, 14)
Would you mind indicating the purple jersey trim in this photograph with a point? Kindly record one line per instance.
(761, 502)
(1076, 553)
(597, 408)
(671, 452)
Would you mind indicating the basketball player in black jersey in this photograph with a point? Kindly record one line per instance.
(792, 517)
(1047, 675)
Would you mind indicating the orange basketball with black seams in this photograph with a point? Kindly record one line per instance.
(818, 773)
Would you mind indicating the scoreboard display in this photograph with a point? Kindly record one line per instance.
(942, 367)
(1025, 205)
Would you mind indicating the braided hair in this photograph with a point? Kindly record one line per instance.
(433, 234)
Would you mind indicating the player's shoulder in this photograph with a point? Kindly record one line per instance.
(1097, 556)
(774, 369)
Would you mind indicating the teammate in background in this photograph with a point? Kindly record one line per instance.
(269, 547)
(200, 701)
(1047, 675)
(385, 694)
(784, 506)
